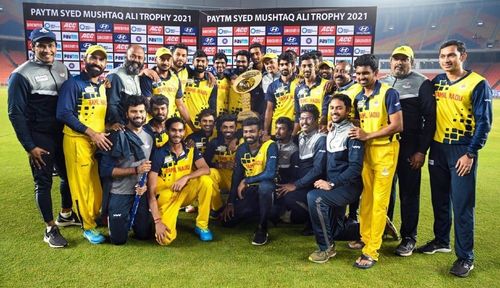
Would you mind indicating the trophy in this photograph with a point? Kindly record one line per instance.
(242, 85)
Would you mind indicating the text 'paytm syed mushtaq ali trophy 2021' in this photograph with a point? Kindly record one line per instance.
(242, 85)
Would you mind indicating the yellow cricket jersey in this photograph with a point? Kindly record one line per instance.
(254, 165)
(173, 169)
(183, 76)
(198, 96)
(374, 110)
(352, 89)
(223, 88)
(282, 96)
(311, 95)
(170, 88)
(454, 111)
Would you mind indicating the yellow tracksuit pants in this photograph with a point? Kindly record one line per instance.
(379, 166)
(219, 179)
(169, 203)
(83, 178)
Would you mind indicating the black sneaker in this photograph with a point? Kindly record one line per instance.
(433, 247)
(71, 220)
(406, 247)
(54, 238)
(462, 268)
(260, 237)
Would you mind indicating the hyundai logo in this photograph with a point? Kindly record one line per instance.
(86, 45)
(104, 26)
(363, 28)
(291, 39)
(121, 36)
(188, 29)
(274, 29)
(344, 49)
(209, 40)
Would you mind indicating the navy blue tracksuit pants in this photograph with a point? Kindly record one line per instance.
(119, 210)
(327, 210)
(450, 191)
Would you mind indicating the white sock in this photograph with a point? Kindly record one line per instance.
(65, 214)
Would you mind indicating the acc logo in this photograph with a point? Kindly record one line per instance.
(224, 31)
(363, 30)
(188, 31)
(87, 37)
(52, 25)
(87, 27)
(158, 30)
(344, 40)
(309, 30)
(290, 41)
(326, 40)
(241, 31)
(103, 27)
(172, 39)
(327, 30)
(120, 48)
(343, 51)
(258, 30)
(121, 38)
(85, 45)
(209, 50)
(345, 30)
(358, 51)
(208, 41)
(172, 30)
(69, 26)
(155, 39)
(261, 40)
(274, 30)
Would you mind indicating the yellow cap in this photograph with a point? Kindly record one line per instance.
(403, 50)
(94, 48)
(163, 51)
(269, 56)
(327, 63)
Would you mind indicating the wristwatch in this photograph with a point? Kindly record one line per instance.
(471, 155)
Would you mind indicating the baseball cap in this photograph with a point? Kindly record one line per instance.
(270, 56)
(327, 63)
(96, 48)
(403, 50)
(163, 51)
(41, 33)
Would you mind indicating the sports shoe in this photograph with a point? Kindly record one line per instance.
(54, 238)
(433, 247)
(62, 221)
(406, 247)
(205, 234)
(356, 245)
(93, 236)
(260, 237)
(321, 257)
(190, 209)
(462, 268)
(390, 229)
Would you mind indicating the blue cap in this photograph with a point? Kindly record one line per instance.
(40, 33)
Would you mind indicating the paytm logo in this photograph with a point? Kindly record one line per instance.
(309, 41)
(155, 39)
(52, 25)
(71, 56)
(343, 51)
(226, 50)
(172, 30)
(258, 30)
(274, 30)
(363, 30)
(358, 51)
(224, 31)
(326, 41)
(109, 57)
(291, 40)
(104, 27)
(309, 30)
(119, 57)
(121, 38)
(86, 27)
(189, 31)
(69, 36)
(345, 30)
(224, 41)
(208, 41)
(138, 39)
(152, 58)
(240, 41)
(138, 29)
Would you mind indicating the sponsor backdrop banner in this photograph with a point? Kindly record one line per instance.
(339, 33)
(77, 27)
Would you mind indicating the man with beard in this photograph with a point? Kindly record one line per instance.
(419, 124)
(312, 159)
(200, 138)
(317, 57)
(341, 186)
(124, 81)
(272, 73)
(220, 153)
(326, 70)
(156, 126)
(280, 95)
(178, 176)
(198, 94)
(32, 101)
(381, 120)
(223, 83)
(82, 108)
(255, 51)
(168, 86)
(311, 90)
(252, 184)
(181, 70)
(123, 167)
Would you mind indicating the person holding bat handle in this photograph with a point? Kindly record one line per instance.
(123, 170)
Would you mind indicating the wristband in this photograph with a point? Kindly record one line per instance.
(157, 220)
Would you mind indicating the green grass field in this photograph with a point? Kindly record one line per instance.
(230, 260)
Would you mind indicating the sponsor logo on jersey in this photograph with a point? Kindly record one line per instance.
(345, 30)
